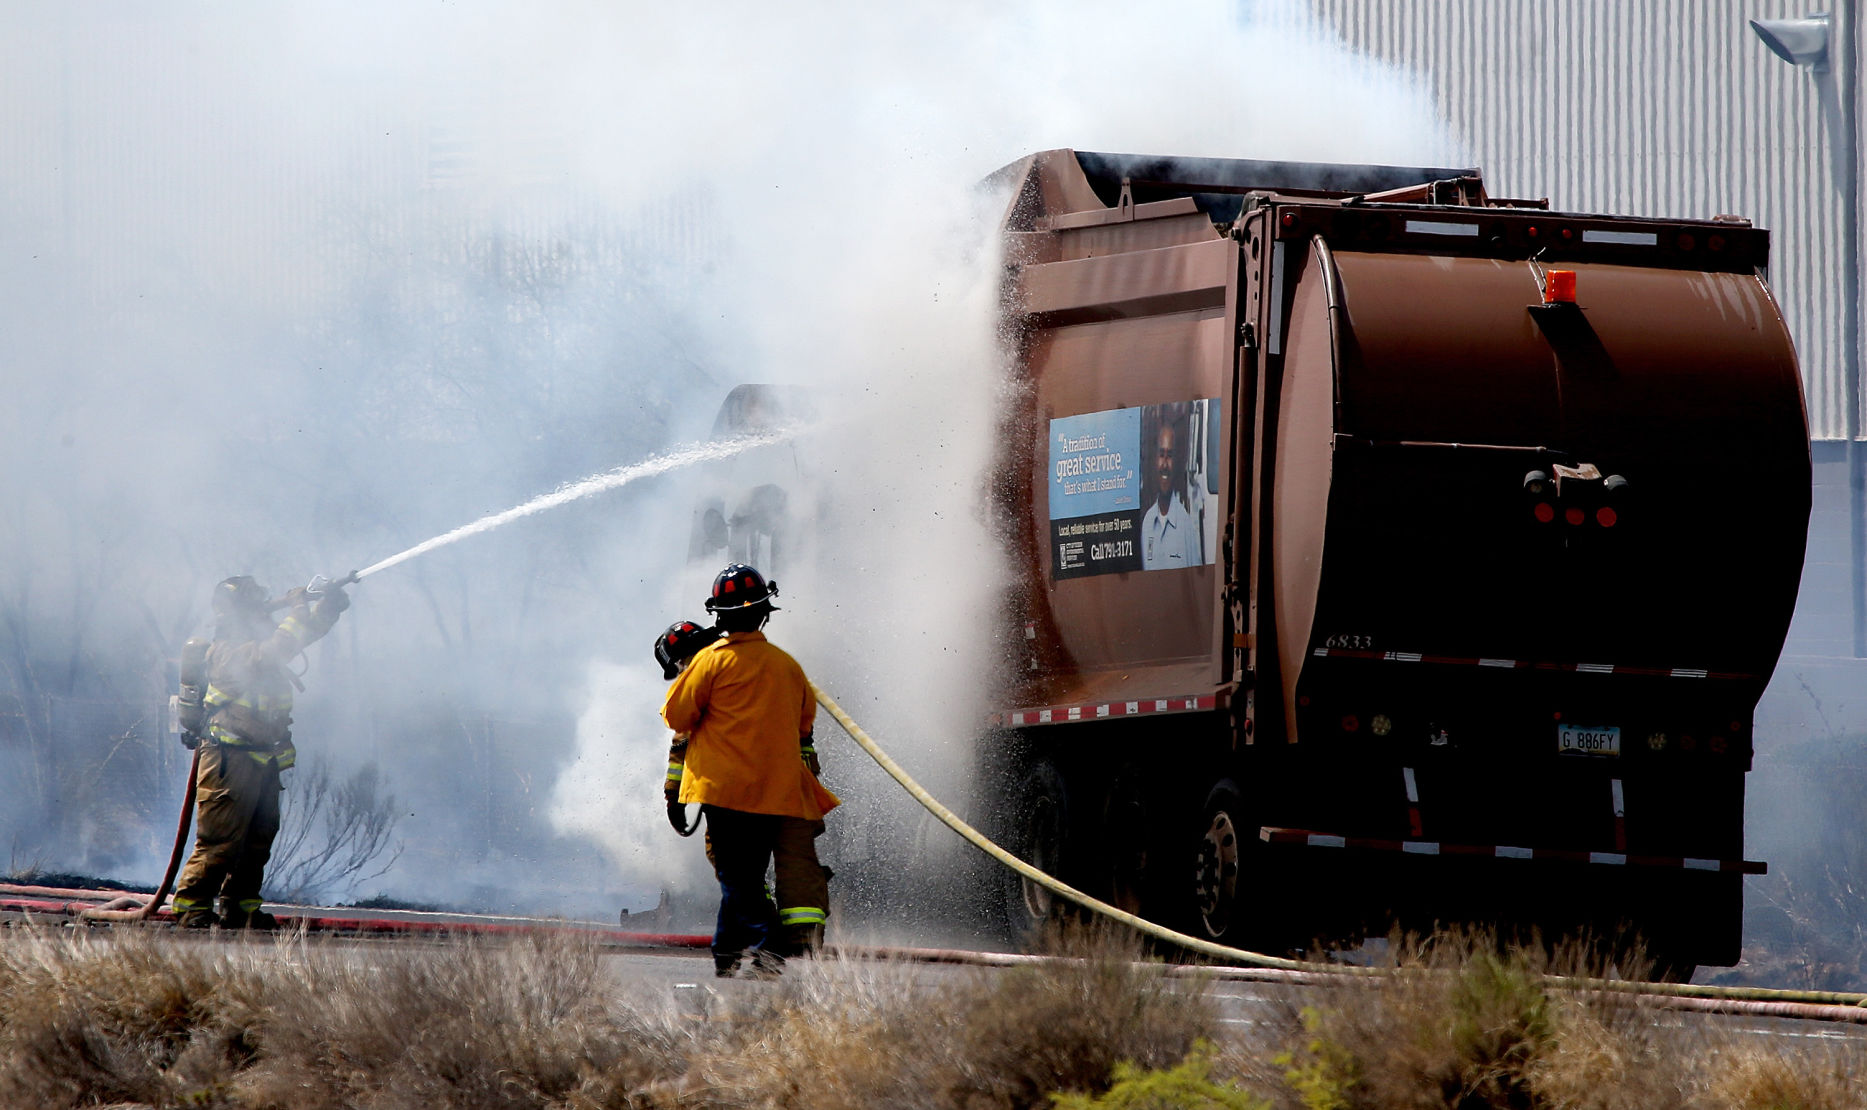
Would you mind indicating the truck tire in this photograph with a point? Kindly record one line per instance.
(1039, 827)
(1126, 848)
(1220, 860)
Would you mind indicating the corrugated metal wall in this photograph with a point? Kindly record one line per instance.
(1643, 107)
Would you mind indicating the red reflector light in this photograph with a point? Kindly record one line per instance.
(1574, 515)
(1545, 512)
(1606, 516)
(1351, 723)
(1559, 287)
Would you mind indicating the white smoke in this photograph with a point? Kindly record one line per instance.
(293, 288)
(851, 148)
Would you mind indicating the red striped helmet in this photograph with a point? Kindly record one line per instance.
(740, 587)
(679, 644)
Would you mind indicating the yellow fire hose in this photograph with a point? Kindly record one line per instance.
(1258, 959)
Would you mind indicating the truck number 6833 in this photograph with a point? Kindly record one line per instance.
(1350, 641)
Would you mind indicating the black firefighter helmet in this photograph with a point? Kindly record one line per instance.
(240, 596)
(741, 587)
(679, 643)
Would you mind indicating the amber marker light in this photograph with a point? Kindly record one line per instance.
(1559, 287)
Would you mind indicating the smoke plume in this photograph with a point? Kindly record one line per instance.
(288, 290)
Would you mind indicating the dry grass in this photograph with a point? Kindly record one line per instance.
(138, 1018)
(1465, 1023)
(877, 1036)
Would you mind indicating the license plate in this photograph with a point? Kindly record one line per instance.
(1586, 740)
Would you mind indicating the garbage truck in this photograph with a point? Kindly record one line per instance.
(1386, 553)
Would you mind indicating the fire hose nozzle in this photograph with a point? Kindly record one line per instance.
(321, 585)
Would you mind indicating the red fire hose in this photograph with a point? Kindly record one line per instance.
(144, 911)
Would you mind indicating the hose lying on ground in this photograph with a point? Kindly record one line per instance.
(1258, 959)
(142, 912)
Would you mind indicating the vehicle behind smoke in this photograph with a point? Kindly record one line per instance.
(1383, 551)
(1389, 551)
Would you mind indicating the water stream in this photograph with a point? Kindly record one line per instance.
(596, 483)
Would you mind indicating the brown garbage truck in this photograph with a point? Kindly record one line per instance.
(1387, 552)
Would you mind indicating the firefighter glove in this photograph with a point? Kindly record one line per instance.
(677, 816)
(335, 600)
(810, 760)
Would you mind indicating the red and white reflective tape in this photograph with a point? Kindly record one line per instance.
(1104, 710)
(1521, 664)
(1271, 835)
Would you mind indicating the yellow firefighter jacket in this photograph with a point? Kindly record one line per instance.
(249, 689)
(746, 703)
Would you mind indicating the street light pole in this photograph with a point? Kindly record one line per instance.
(1811, 42)
(1849, 96)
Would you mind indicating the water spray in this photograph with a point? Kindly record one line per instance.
(576, 491)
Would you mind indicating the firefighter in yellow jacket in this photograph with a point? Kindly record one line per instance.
(746, 708)
(248, 707)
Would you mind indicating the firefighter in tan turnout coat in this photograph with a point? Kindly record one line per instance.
(248, 742)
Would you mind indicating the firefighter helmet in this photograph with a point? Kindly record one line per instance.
(741, 587)
(240, 595)
(679, 643)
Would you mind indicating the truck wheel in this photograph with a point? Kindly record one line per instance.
(1040, 837)
(1128, 829)
(1221, 852)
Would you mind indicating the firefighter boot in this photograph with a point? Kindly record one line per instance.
(765, 964)
(804, 940)
(255, 919)
(197, 919)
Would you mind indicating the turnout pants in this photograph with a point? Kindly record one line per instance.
(741, 846)
(236, 819)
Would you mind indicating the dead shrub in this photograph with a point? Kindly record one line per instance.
(1458, 1023)
(128, 1021)
(469, 1025)
(842, 1037)
(1062, 1026)
(137, 1018)
(1754, 1078)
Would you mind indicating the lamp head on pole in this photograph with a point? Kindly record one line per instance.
(1802, 42)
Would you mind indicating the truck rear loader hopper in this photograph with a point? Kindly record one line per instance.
(1388, 553)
